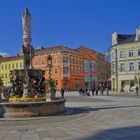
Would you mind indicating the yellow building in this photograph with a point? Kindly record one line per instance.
(7, 64)
(125, 61)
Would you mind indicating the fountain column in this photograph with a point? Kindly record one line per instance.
(27, 48)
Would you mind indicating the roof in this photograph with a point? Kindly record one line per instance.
(87, 53)
(10, 58)
(125, 38)
(54, 48)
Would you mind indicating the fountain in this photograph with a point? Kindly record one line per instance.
(28, 93)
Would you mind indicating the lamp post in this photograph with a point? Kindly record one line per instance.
(49, 65)
(49, 59)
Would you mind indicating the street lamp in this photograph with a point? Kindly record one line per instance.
(49, 59)
(49, 65)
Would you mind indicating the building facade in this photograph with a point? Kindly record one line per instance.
(66, 66)
(96, 69)
(125, 61)
(90, 66)
(7, 64)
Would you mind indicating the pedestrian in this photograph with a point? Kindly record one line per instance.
(80, 92)
(137, 91)
(62, 93)
(107, 91)
(101, 90)
(85, 92)
(97, 91)
(93, 89)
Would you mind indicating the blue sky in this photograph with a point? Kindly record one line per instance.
(67, 22)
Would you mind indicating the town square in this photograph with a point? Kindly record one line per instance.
(69, 70)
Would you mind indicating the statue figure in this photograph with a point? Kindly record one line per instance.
(26, 22)
(28, 52)
(25, 90)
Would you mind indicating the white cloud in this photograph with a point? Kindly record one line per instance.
(4, 54)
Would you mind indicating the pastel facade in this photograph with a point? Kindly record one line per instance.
(67, 66)
(7, 64)
(90, 66)
(125, 61)
(96, 68)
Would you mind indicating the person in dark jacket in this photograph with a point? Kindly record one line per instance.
(137, 91)
(62, 93)
(93, 89)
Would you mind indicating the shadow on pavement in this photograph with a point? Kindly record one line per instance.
(85, 109)
(126, 133)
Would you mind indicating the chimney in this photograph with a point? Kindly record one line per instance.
(137, 34)
(114, 38)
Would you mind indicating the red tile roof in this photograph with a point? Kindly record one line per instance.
(10, 58)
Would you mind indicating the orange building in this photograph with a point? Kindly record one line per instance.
(66, 66)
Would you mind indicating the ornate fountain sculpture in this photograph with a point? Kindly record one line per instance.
(27, 82)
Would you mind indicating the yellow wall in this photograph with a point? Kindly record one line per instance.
(126, 75)
(6, 66)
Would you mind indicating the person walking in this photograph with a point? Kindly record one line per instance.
(80, 92)
(93, 89)
(62, 93)
(107, 90)
(97, 88)
(137, 91)
(101, 89)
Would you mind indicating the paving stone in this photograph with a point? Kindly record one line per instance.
(12, 137)
(92, 118)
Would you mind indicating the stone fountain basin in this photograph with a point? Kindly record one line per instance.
(32, 109)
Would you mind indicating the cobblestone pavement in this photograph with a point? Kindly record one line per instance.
(86, 118)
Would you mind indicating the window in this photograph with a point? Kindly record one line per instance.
(132, 83)
(9, 66)
(42, 61)
(6, 66)
(56, 82)
(131, 53)
(71, 59)
(55, 61)
(122, 54)
(13, 66)
(90, 65)
(79, 70)
(5, 75)
(20, 64)
(74, 60)
(56, 71)
(65, 59)
(71, 69)
(36, 61)
(138, 65)
(65, 70)
(81, 62)
(122, 67)
(16, 65)
(113, 55)
(131, 66)
(2, 67)
(138, 52)
(75, 70)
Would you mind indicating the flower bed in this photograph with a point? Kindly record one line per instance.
(14, 99)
